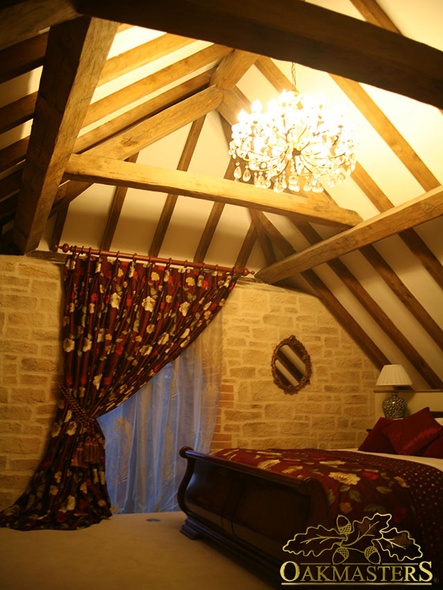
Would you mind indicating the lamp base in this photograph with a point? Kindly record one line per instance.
(394, 407)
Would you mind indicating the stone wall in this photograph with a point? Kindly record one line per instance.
(333, 410)
(30, 364)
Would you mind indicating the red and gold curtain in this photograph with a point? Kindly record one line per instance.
(123, 321)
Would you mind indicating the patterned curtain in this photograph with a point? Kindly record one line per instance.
(123, 321)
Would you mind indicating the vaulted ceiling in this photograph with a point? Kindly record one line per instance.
(115, 120)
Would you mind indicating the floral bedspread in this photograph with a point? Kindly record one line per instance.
(360, 485)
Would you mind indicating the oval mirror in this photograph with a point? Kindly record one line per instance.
(291, 365)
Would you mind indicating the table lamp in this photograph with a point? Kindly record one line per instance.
(392, 378)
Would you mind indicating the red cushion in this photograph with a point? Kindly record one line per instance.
(435, 449)
(376, 441)
(410, 435)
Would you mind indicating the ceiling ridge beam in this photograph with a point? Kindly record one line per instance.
(295, 31)
(373, 13)
(414, 212)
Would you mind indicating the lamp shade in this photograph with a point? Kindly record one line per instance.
(393, 376)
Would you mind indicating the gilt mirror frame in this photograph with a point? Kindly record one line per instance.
(297, 347)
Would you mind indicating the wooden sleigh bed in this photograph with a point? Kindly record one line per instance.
(268, 507)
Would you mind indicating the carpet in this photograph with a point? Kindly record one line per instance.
(126, 552)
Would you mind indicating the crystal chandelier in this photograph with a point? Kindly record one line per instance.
(295, 144)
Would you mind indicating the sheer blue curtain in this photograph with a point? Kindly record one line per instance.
(177, 407)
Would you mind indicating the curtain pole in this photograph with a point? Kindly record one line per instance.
(82, 250)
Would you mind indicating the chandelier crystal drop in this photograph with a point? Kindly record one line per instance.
(295, 144)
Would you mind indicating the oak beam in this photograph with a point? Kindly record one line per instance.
(22, 57)
(373, 13)
(388, 132)
(132, 129)
(246, 248)
(114, 172)
(212, 222)
(295, 31)
(410, 237)
(414, 212)
(104, 132)
(232, 68)
(404, 295)
(208, 232)
(23, 20)
(158, 126)
(376, 312)
(75, 56)
(171, 200)
(13, 154)
(263, 238)
(18, 112)
(141, 55)
(345, 319)
(114, 213)
(150, 84)
(331, 302)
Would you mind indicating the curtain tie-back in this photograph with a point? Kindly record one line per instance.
(88, 450)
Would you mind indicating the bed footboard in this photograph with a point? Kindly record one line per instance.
(249, 511)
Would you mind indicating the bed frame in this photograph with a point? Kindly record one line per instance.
(250, 513)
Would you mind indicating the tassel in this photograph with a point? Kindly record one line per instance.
(92, 451)
(86, 454)
(77, 458)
